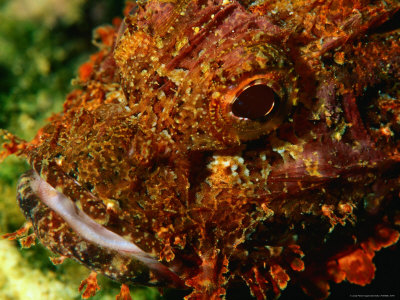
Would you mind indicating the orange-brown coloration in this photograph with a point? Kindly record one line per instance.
(357, 266)
(124, 294)
(90, 285)
(148, 147)
(279, 276)
(58, 260)
(297, 264)
(22, 232)
(28, 241)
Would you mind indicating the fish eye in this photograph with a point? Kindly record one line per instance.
(254, 102)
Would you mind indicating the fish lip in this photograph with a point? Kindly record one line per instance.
(31, 185)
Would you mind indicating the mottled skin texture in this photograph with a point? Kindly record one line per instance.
(149, 148)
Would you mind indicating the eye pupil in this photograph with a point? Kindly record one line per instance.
(254, 102)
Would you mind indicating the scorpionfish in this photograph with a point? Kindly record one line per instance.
(216, 144)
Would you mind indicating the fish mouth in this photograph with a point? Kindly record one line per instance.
(33, 191)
